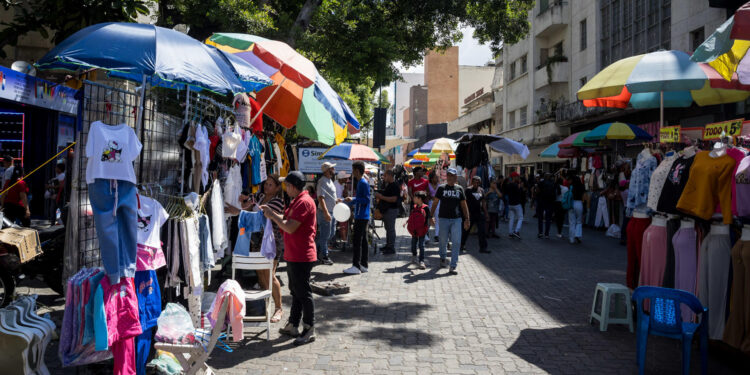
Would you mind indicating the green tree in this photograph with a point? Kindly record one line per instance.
(58, 19)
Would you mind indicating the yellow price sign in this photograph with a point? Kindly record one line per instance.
(730, 128)
(669, 134)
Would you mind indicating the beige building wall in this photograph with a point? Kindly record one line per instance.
(473, 78)
(441, 78)
(405, 120)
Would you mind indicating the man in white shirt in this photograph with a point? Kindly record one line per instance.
(340, 183)
(326, 192)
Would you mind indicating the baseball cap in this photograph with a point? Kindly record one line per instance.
(295, 178)
(326, 166)
(342, 175)
(514, 174)
(452, 171)
(477, 178)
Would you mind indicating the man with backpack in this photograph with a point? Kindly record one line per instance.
(545, 204)
(418, 224)
(477, 213)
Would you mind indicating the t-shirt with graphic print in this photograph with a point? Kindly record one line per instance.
(111, 151)
(151, 217)
(450, 197)
(674, 185)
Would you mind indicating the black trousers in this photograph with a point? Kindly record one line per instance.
(359, 258)
(302, 298)
(481, 227)
(559, 216)
(17, 213)
(544, 216)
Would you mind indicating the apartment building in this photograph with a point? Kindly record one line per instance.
(568, 43)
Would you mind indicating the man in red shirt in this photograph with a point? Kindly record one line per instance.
(418, 183)
(298, 228)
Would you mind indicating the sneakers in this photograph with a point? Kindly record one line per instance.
(325, 261)
(363, 269)
(414, 259)
(453, 271)
(307, 336)
(422, 265)
(539, 235)
(515, 235)
(289, 330)
(387, 250)
(443, 262)
(450, 246)
(463, 250)
(352, 271)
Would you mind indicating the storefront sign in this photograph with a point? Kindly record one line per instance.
(23, 88)
(669, 134)
(730, 128)
(309, 162)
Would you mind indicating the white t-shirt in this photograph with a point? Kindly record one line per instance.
(111, 151)
(151, 217)
(7, 175)
(339, 189)
(563, 190)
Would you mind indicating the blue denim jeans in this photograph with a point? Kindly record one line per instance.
(450, 228)
(115, 208)
(326, 229)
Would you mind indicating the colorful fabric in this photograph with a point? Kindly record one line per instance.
(640, 179)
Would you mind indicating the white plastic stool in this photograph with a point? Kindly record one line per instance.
(608, 313)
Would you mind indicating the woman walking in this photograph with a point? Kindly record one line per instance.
(575, 214)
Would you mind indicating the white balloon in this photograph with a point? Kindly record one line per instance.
(341, 212)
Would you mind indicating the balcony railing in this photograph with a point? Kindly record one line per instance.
(545, 5)
(576, 111)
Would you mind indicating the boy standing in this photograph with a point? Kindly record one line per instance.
(418, 224)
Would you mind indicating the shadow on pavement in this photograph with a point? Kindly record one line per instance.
(399, 337)
(247, 350)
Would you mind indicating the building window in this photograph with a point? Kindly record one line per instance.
(582, 82)
(513, 70)
(633, 27)
(523, 64)
(511, 119)
(696, 38)
(522, 120)
(583, 34)
(558, 49)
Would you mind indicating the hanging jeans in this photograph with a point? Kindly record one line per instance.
(544, 212)
(477, 221)
(450, 228)
(114, 205)
(516, 216)
(602, 214)
(325, 232)
(575, 221)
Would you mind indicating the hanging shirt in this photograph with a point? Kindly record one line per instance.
(710, 182)
(111, 151)
(248, 223)
(737, 155)
(742, 182)
(151, 216)
(218, 224)
(257, 125)
(202, 146)
(658, 178)
(255, 152)
(639, 182)
(674, 184)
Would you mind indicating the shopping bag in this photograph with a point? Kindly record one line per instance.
(175, 326)
(613, 231)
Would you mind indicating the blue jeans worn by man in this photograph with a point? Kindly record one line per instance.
(326, 230)
(450, 228)
(389, 222)
(516, 219)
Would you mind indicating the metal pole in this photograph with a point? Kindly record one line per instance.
(661, 110)
(267, 101)
(182, 150)
(140, 124)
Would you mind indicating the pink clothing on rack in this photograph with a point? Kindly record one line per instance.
(737, 155)
(653, 256)
(235, 311)
(121, 309)
(149, 258)
(123, 353)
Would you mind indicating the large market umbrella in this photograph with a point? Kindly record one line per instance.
(655, 80)
(617, 131)
(498, 143)
(554, 151)
(438, 146)
(300, 96)
(726, 48)
(143, 52)
(576, 140)
(352, 151)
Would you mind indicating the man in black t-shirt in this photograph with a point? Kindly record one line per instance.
(389, 207)
(452, 201)
(477, 206)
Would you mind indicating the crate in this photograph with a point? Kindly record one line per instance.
(23, 241)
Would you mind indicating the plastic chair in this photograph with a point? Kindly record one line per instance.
(608, 313)
(256, 261)
(665, 319)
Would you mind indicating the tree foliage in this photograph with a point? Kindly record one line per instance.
(58, 19)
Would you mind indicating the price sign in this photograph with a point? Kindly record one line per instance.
(730, 128)
(669, 134)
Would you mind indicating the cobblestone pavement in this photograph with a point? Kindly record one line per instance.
(521, 309)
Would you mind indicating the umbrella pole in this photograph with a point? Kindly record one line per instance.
(139, 123)
(267, 101)
(661, 109)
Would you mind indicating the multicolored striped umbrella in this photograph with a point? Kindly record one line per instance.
(352, 151)
(300, 96)
(554, 151)
(617, 131)
(576, 140)
(438, 146)
(726, 49)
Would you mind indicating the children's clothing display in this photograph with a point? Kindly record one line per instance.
(114, 205)
(236, 311)
(111, 151)
(151, 216)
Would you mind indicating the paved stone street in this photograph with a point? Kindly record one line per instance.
(521, 309)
